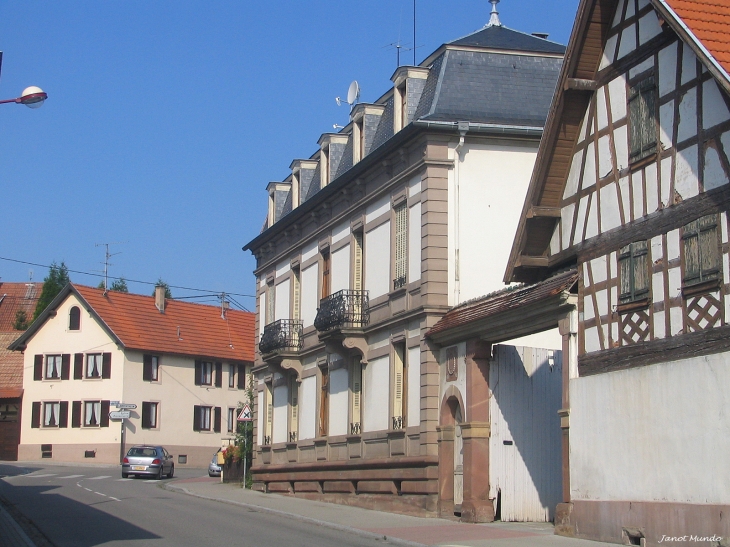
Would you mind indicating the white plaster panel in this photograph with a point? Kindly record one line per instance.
(585, 128)
(378, 339)
(555, 241)
(657, 286)
(687, 115)
(262, 281)
(623, 185)
(307, 408)
(641, 67)
(628, 40)
(725, 140)
(667, 69)
(666, 125)
(340, 232)
(341, 269)
(673, 245)
(677, 326)
(638, 187)
(614, 331)
(601, 108)
(309, 250)
(414, 386)
(414, 186)
(629, 10)
(414, 329)
(599, 268)
(566, 220)
(377, 260)
(592, 225)
(605, 157)
(642, 4)
(376, 394)
(727, 307)
(612, 262)
(282, 300)
(279, 425)
(659, 323)
(283, 268)
(377, 208)
(586, 279)
(689, 64)
(723, 225)
(309, 293)
(714, 175)
(617, 94)
(613, 302)
(588, 311)
(666, 183)
(260, 419)
(608, 450)
(714, 108)
(339, 402)
(610, 214)
(589, 173)
(262, 312)
(621, 144)
(648, 27)
(685, 175)
(580, 224)
(414, 242)
(609, 52)
(726, 274)
(618, 17)
(571, 185)
(602, 303)
(652, 189)
(675, 283)
(592, 342)
(657, 250)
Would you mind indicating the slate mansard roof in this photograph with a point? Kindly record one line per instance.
(184, 328)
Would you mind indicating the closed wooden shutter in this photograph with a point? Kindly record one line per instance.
(356, 391)
(633, 272)
(357, 261)
(296, 292)
(147, 369)
(401, 246)
(196, 418)
(104, 414)
(35, 415)
(642, 119)
(398, 381)
(78, 366)
(63, 414)
(326, 275)
(701, 250)
(294, 407)
(76, 414)
(198, 374)
(241, 376)
(38, 368)
(218, 374)
(65, 366)
(106, 366)
(324, 404)
(217, 420)
(145, 415)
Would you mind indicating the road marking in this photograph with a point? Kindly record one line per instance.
(41, 475)
(71, 477)
(99, 494)
(100, 477)
(113, 498)
(88, 489)
(124, 480)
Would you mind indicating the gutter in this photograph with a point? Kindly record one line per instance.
(486, 128)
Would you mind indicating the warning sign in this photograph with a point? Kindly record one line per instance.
(246, 415)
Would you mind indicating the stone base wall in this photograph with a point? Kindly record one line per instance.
(658, 523)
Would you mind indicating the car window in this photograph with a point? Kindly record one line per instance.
(141, 452)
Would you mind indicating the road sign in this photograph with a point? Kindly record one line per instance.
(119, 415)
(129, 406)
(115, 403)
(246, 415)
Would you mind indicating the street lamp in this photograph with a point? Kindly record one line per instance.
(32, 97)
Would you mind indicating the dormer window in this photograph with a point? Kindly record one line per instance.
(295, 190)
(324, 167)
(408, 83)
(358, 141)
(74, 318)
(400, 102)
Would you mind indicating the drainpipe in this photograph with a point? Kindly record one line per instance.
(463, 128)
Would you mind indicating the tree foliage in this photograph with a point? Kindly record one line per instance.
(21, 320)
(56, 280)
(161, 283)
(119, 285)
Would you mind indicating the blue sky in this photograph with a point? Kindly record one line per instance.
(166, 120)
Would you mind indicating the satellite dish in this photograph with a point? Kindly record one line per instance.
(353, 94)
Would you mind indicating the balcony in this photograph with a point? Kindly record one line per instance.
(281, 335)
(343, 310)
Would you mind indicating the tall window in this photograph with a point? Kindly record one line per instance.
(296, 279)
(324, 398)
(269, 409)
(232, 376)
(149, 415)
(231, 422)
(293, 408)
(326, 274)
(74, 318)
(51, 414)
(203, 373)
(270, 303)
(642, 119)
(206, 418)
(53, 367)
(399, 386)
(701, 251)
(92, 413)
(151, 368)
(93, 365)
(634, 273)
(401, 245)
(356, 401)
(357, 261)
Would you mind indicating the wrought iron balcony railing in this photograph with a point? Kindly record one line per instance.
(280, 335)
(398, 422)
(343, 309)
(354, 428)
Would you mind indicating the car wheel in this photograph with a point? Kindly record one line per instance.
(125, 475)
(172, 472)
(160, 474)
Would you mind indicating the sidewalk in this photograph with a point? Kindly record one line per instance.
(11, 535)
(401, 529)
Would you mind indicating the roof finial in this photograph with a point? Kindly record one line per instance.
(494, 17)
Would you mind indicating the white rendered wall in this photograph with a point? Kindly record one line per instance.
(340, 269)
(281, 301)
(376, 394)
(280, 426)
(377, 261)
(308, 408)
(338, 402)
(414, 386)
(644, 433)
(309, 293)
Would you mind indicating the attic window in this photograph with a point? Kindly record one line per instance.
(74, 318)
(400, 99)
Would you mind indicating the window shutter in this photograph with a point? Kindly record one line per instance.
(63, 414)
(196, 418)
(76, 414)
(78, 366)
(641, 269)
(296, 292)
(401, 243)
(217, 422)
(35, 414)
(356, 390)
(38, 368)
(106, 366)
(145, 415)
(147, 368)
(65, 366)
(241, 376)
(104, 414)
(218, 374)
(198, 374)
(357, 274)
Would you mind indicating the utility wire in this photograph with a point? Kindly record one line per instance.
(128, 280)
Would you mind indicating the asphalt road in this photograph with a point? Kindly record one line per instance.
(88, 506)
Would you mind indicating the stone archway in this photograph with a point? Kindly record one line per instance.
(452, 414)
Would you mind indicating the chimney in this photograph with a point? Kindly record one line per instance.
(160, 298)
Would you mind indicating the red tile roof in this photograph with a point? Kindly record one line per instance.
(709, 21)
(11, 363)
(14, 297)
(184, 328)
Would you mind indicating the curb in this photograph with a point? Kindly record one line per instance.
(301, 518)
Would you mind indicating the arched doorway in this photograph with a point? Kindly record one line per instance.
(451, 453)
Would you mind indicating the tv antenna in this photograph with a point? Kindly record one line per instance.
(353, 95)
(106, 262)
(398, 47)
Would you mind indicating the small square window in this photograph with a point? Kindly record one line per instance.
(93, 365)
(151, 368)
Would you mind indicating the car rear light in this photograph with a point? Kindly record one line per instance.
(125, 460)
(156, 461)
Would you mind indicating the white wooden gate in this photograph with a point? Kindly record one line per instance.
(525, 465)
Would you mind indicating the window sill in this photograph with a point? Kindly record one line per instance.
(643, 162)
(700, 288)
(636, 305)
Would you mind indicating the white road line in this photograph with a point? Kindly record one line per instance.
(88, 489)
(100, 477)
(113, 498)
(124, 480)
(41, 475)
(71, 477)
(99, 494)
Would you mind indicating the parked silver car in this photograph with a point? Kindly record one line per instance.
(153, 461)
(214, 470)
